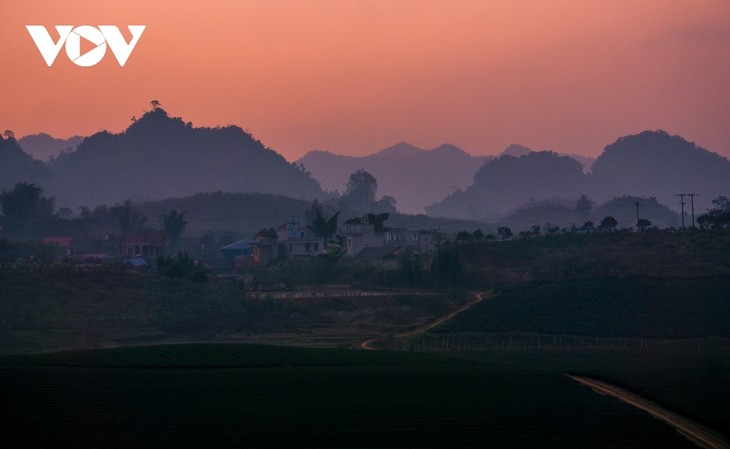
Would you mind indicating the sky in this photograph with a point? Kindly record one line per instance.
(354, 77)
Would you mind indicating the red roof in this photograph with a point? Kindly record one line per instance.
(63, 242)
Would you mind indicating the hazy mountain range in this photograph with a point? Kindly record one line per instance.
(159, 157)
(650, 164)
(43, 146)
(563, 213)
(413, 176)
(520, 150)
(18, 166)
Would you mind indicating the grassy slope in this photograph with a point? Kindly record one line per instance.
(627, 307)
(183, 396)
(692, 380)
(693, 383)
(62, 308)
(606, 255)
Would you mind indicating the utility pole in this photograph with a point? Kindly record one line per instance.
(692, 201)
(681, 202)
(637, 211)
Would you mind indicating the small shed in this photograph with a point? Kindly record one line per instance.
(241, 248)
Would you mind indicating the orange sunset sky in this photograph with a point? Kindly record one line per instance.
(354, 77)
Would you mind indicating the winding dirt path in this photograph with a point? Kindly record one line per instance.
(692, 431)
(478, 297)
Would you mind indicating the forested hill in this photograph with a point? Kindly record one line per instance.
(652, 164)
(413, 176)
(655, 163)
(505, 183)
(17, 166)
(159, 156)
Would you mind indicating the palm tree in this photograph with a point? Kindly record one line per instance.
(324, 228)
(174, 225)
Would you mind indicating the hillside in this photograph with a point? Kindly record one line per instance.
(413, 176)
(629, 308)
(267, 397)
(563, 213)
(17, 166)
(247, 213)
(505, 183)
(657, 164)
(219, 211)
(43, 146)
(517, 150)
(160, 157)
(652, 164)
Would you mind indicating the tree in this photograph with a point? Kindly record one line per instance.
(24, 204)
(446, 267)
(608, 223)
(129, 217)
(718, 216)
(643, 223)
(588, 227)
(705, 221)
(478, 235)
(173, 225)
(361, 190)
(181, 265)
(504, 233)
(9, 134)
(386, 204)
(462, 236)
(64, 212)
(378, 220)
(583, 205)
(536, 229)
(325, 228)
(310, 215)
(410, 270)
(155, 104)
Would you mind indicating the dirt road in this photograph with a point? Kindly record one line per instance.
(478, 297)
(692, 431)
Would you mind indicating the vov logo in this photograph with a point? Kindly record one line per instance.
(100, 37)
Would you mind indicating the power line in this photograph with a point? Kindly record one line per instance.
(692, 201)
(682, 203)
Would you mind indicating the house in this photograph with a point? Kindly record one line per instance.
(359, 234)
(402, 237)
(144, 244)
(297, 242)
(241, 248)
(266, 247)
(386, 256)
(430, 241)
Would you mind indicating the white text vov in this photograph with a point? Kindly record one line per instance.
(71, 36)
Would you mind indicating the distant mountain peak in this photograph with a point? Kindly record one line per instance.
(448, 148)
(401, 148)
(44, 146)
(413, 176)
(159, 156)
(516, 150)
